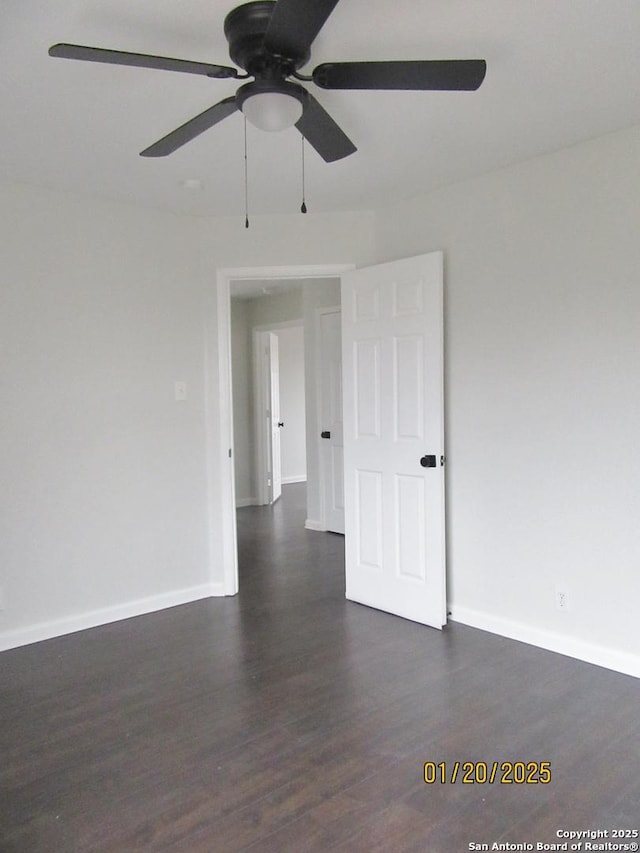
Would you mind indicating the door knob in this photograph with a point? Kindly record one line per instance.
(428, 461)
(325, 434)
(280, 423)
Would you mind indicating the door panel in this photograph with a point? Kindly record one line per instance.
(367, 388)
(369, 518)
(410, 508)
(408, 361)
(392, 330)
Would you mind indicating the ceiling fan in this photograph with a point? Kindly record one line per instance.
(270, 40)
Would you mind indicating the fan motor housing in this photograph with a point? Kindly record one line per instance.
(245, 28)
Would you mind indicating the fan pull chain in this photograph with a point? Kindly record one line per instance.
(303, 208)
(246, 178)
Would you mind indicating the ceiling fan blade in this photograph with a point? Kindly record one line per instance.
(439, 74)
(190, 129)
(322, 133)
(294, 24)
(139, 60)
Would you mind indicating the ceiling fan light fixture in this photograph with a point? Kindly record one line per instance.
(271, 106)
(272, 110)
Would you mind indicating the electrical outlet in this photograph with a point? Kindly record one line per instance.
(562, 599)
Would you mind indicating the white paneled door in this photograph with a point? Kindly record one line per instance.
(331, 450)
(275, 460)
(392, 345)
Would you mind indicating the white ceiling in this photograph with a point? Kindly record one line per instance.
(559, 72)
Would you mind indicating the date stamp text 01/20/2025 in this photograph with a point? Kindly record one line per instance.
(489, 773)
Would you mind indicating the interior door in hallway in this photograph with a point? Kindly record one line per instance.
(331, 449)
(392, 343)
(275, 462)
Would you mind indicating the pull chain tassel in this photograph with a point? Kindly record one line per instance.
(246, 178)
(303, 207)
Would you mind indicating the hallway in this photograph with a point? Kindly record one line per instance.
(281, 562)
(288, 719)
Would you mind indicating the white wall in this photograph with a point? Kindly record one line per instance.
(291, 240)
(109, 484)
(293, 443)
(276, 308)
(542, 312)
(112, 496)
(103, 507)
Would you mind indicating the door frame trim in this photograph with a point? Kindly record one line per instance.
(223, 547)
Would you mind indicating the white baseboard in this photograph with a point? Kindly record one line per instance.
(242, 502)
(573, 647)
(313, 524)
(298, 478)
(92, 619)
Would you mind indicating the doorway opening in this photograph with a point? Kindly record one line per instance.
(268, 378)
(392, 342)
(247, 431)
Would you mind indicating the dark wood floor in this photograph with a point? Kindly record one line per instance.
(289, 719)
